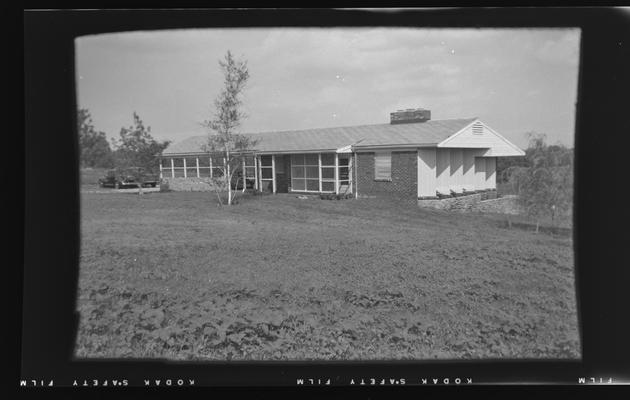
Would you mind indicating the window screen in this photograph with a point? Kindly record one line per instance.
(266, 173)
(383, 166)
(305, 172)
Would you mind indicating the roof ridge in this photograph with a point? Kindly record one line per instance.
(348, 126)
(362, 125)
(431, 131)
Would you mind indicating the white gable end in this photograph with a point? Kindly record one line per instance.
(478, 135)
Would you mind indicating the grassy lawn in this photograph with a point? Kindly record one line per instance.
(275, 277)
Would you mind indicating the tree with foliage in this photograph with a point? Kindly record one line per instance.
(94, 147)
(506, 164)
(563, 155)
(223, 136)
(136, 148)
(545, 184)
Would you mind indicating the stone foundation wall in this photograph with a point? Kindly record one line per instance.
(188, 184)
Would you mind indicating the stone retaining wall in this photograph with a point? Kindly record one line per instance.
(481, 202)
(455, 203)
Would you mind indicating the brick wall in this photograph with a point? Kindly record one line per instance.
(404, 183)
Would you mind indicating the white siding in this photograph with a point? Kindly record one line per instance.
(480, 173)
(496, 144)
(469, 170)
(427, 179)
(457, 170)
(491, 176)
(443, 172)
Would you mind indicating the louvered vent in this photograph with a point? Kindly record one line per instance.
(477, 129)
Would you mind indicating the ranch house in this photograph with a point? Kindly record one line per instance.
(411, 157)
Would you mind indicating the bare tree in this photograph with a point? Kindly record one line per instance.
(223, 137)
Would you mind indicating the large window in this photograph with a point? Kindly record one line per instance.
(305, 172)
(218, 164)
(328, 172)
(191, 167)
(204, 166)
(266, 173)
(344, 173)
(178, 166)
(207, 167)
(313, 172)
(250, 171)
(167, 171)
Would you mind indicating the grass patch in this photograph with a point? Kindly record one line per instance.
(276, 277)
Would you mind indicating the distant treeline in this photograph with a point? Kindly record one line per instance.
(134, 148)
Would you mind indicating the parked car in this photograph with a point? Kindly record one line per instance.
(128, 178)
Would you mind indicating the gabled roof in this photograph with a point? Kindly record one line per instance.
(427, 133)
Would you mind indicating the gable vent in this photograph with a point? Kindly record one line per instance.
(477, 128)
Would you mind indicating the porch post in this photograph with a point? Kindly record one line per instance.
(197, 162)
(336, 173)
(210, 164)
(172, 168)
(256, 172)
(319, 170)
(273, 171)
(185, 172)
(350, 172)
(161, 169)
(356, 185)
(244, 175)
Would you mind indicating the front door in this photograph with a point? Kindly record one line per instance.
(282, 177)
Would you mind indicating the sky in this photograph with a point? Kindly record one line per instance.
(514, 80)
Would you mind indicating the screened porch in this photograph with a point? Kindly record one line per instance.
(306, 173)
(276, 173)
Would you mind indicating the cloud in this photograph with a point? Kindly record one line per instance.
(172, 77)
(564, 50)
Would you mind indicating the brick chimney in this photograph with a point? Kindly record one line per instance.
(409, 115)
